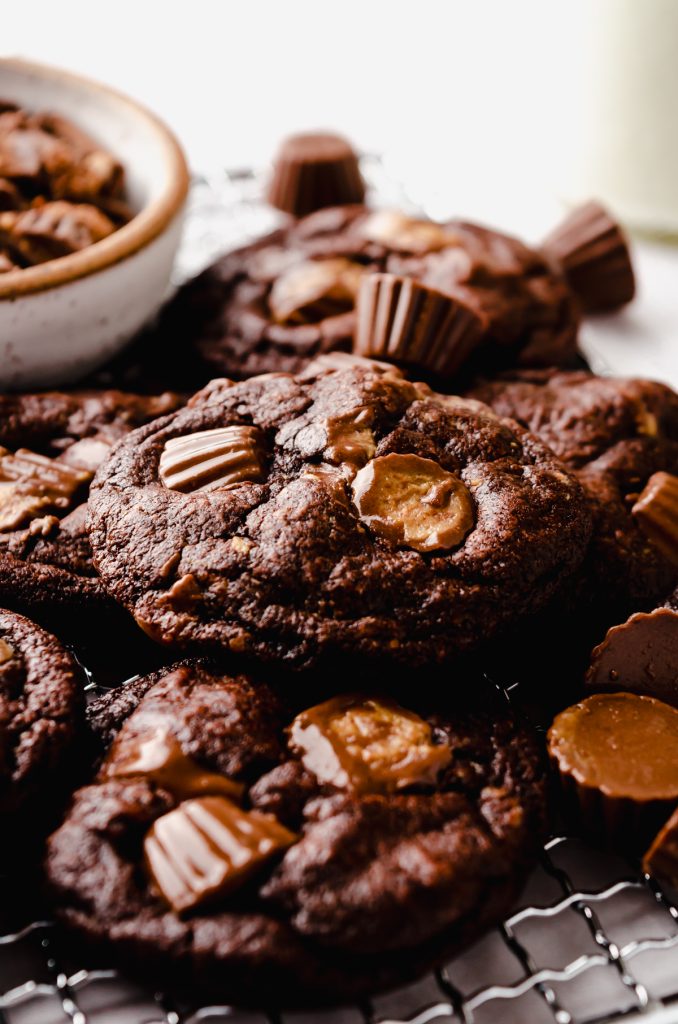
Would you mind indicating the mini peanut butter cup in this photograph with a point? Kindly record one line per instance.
(313, 170)
(400, 320)
(661, 859)
(617, 758)
(209, 459)
(639, 655)
(594, 255)
(656, 512)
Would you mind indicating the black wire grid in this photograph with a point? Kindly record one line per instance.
(593, 939)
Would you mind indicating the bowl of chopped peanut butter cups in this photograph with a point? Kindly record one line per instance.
(92, 192)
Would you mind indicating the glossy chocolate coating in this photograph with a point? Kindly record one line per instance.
(208, 847)
(661, 860)
(640, 655)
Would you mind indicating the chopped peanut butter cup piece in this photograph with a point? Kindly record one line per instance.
(413, 502)
(313, 170)
(594, 254)
(54, 229)
(367, 745)
(315, 290)
(210, 459)
(657, 513)
(661, 860)
(157, 756)
(31, 484)
(6, 652)
(406, 234)
(207, 848)
(409, 323)
(640, 655)
(617, 756)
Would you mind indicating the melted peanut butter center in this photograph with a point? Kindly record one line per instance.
(367, 745)
(413, 502)
(622, 744)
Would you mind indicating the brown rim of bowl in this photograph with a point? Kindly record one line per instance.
(131, 237)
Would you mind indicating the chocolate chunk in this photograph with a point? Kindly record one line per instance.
(409, 323)
(640, 655)
(54, 229)
(207, 848)
(223, 458)
(31, 483)
(367, 745)
(156, 755)
(656, 511)
(401, 233)
(594, 254)
(661, 860)
(413, 502)
(617, 755)
(315, 290)
(313, 170)
(349, 439)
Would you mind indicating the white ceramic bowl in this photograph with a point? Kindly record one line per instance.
(61, 319)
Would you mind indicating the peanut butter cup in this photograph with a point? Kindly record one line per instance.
(313, 170)
(408, 323)
(594, 254)
(656, 510)
(617, 757)
(639, 655)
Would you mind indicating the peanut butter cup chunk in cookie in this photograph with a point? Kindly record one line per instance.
(349, 513)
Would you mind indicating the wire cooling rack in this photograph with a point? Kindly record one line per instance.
(591, 941)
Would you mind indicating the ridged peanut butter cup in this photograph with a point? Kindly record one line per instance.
(313, 170)
(661, 859)
(405, 322)
(656, 512)
(594, 254)
(617, 758)
(639, 655)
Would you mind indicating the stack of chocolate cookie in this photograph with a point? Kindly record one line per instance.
(325, 796)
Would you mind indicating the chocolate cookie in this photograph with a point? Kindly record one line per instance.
(50, 445)
(40, 708)
(351, 513)
(290, 296)
(616, 434)
(290, 854)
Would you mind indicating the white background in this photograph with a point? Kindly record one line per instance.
(498, 110)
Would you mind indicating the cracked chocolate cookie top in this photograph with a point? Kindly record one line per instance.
(351, 512)
(51, 443)
(616, 434)
(291, 296)
(236, 842)
(39, 709)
